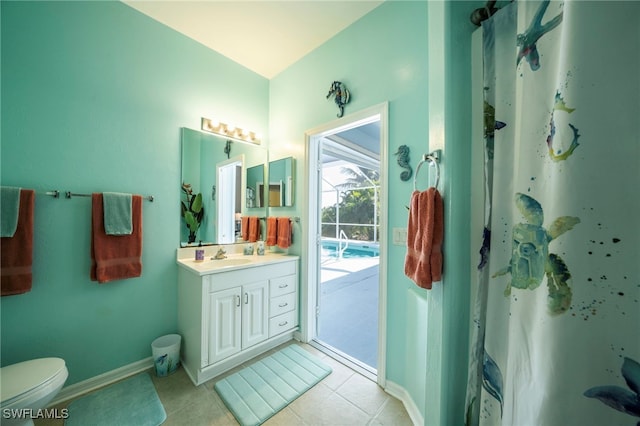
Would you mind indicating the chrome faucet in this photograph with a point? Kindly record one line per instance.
(221, 254)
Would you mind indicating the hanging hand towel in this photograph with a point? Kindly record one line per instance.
(115, 257)
(284, 232)
(117, 213)
(9, 208)
(17, 251)
(272, 231)
(244, 228)
(423, 261)
(254, 229)
(438, 238)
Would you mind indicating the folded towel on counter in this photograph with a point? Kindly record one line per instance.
(272, 231)
(425, 233)
(254, 229)
(117, 213)
(16, 252)
(9, 206)
(244, 228)
(284, 232)
(115, 257)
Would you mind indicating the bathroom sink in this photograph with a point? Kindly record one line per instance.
(223, 263)
(210, 265)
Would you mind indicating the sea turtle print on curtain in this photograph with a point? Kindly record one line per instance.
(530, 257)
(555, 337)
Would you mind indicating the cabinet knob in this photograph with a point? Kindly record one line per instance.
(282, 305)
(238, 304)
(283, 286)
(283, 323)
(246, 298)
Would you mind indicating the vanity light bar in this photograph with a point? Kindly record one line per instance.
(229, 131)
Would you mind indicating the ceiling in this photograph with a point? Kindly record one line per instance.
(263, 36)
(268, 36)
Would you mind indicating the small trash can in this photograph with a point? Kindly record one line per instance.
(166, 354)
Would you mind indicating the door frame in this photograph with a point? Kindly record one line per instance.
(311, 238)
(223, 221)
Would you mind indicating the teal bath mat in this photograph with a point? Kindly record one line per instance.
(257, 392)
(133, 401)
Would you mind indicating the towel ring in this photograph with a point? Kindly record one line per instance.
(432, 158)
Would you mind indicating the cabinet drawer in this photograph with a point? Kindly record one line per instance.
(224, 280)
(281, 304)
(282, 323)
(282, 285)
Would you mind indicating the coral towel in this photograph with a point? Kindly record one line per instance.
(17, 251)
(423, 262)
(272, 231)
(244, 228)
(115, 257)
(284, 232)
(254, 229)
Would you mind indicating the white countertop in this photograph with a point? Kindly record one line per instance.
(231, 262)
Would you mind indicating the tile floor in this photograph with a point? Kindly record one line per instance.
(344, 398)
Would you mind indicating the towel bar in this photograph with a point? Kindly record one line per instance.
(432, 158)
(295, 219)
(70, 194)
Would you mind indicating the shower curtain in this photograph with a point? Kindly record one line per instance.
(555, 331)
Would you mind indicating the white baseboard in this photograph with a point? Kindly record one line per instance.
(401, 393)
(80, 388)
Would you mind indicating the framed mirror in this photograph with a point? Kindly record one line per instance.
(281, 187)
(213, 187)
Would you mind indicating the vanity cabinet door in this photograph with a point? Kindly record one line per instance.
(225, 324)
(255, 313)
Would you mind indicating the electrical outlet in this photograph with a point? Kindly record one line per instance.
(399, 236)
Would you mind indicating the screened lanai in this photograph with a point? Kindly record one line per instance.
(349, 260)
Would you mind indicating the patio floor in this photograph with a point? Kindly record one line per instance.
(348, 318)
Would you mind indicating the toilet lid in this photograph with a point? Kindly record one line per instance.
(19, 378)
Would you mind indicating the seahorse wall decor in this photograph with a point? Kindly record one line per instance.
(341, 94)
(403, 161)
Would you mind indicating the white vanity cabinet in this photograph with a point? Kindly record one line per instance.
(229, 315)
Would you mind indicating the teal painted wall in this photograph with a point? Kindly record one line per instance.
(93, 98)
(381, 57)
(457, 187)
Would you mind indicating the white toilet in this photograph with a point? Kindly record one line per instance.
(28, 386)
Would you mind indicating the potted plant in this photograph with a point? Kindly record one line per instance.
(192, 211)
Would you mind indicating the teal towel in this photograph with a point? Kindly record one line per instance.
(117, 213)
(9, 209)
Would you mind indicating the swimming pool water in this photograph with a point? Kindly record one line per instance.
(330, 249)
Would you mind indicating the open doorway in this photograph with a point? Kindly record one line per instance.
(347, 259)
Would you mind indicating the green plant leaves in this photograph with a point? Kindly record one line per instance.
(196, 203)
